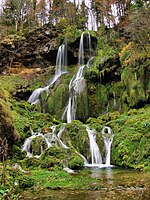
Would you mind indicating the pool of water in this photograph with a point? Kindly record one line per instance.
(110, 184)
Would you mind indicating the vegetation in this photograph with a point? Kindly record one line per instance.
(116, 93)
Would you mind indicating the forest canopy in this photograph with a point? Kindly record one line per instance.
(18, 15)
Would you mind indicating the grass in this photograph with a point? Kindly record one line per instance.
(59, 179)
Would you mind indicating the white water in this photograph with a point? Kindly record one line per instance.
(49, 138)
(61, 62)
(77, 83)
(81, 51)
(76, 86)
(108, 135)
(96, 157)
(90, 62)
(61, 130)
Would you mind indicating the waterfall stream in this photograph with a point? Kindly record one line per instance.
(61, 63)
(96, 157)
(108, 135)
(77, 83)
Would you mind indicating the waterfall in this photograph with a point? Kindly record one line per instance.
(76, 86)
(61, 130)
(61, 60)
(49, 138)
(96, 157)
(61, 63)
(77, 83)
(81, 51)
(108, 135)
(90, 62)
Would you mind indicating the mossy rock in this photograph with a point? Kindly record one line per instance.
(56, 101)
(7, 128)
(50, 162)
(132, 139)
(114, 115)
(55, 152)
(77, 137)
(82, 106)
(97, 99)
(31, 162)
(17, 153)
(37, 145)
(76, 163)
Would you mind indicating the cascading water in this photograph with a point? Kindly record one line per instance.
(81, 51)
(96, 157)
(90, 62)
(76, 87)
(108, 135)
(48, 138)
(61, 130)
(77, 83)
(61, 63)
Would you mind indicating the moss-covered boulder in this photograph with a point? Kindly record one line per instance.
(132, 139)
(7, 128)
(76, 163)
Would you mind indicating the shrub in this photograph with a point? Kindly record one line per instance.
(25, 181)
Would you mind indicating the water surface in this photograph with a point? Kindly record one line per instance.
(109, 183)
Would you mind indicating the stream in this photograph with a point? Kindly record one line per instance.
(110, 183)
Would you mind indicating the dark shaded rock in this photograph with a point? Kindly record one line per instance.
(38, 49)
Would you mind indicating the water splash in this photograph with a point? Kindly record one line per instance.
(108, 135)
(61, 63)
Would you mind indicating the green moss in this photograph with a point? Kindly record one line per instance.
(60, 99)
(50, 162)
(131, 142)
(92, 74)
(18, 154)
(82, 105)
(37, 145)
(76, 163)
(50, 105)
(97, 98)
(25, 181)
(31, 163)
(77, 137)
(7, 128)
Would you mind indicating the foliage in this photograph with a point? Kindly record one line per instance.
(131, 142)
(25, 181)
(50, 162)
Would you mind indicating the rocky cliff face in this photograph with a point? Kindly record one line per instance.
(36, 49)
